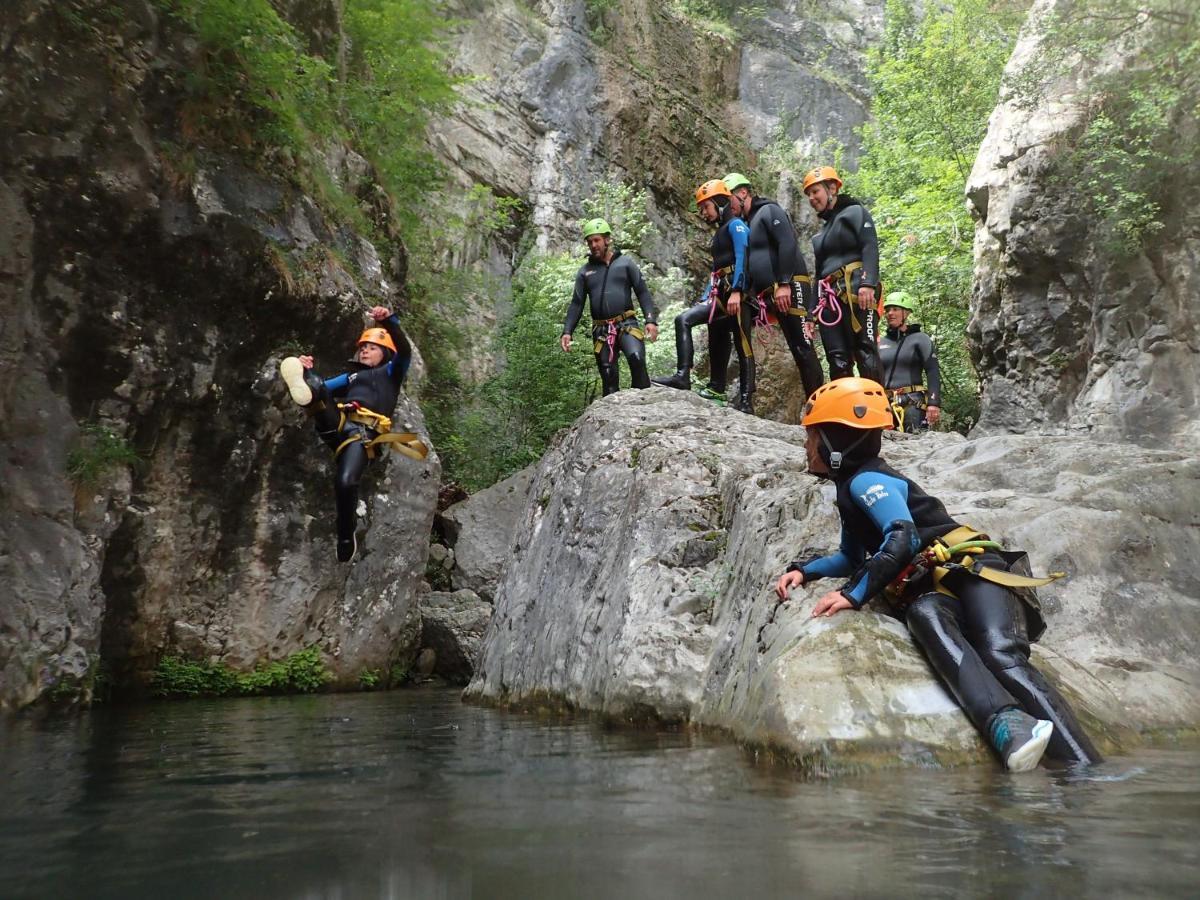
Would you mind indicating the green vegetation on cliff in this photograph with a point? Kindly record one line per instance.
(935, 82)
(300, 673)
(1137, 140)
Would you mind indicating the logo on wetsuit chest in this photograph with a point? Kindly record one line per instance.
(873, 495)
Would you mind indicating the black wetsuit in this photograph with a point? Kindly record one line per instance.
(728, 275)
(911, 374)
(978, 640)
(774, 258)
(609, 288)
(375, 388)
(847, 239)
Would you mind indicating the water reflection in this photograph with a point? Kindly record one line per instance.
(411, 794)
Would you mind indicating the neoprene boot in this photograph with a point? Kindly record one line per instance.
(1019, 738)
(745, 400)
(682, 380)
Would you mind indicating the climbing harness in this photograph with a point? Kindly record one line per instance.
(898, 398)
(958, 551)
(830, 298)
(606, 331)
(403, 442)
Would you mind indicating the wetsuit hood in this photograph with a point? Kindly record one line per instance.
(857, 453)
(843, 201)
(911, 329)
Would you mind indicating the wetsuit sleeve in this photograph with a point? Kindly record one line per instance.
(933, 373)
(885, 500)
(840, 564)
(338, 383)
(397, 367)
(575, 310)
(739, 233)
(783, 236)
(869, 241)
(643, 294)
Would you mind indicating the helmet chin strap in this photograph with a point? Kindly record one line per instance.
(836, 456)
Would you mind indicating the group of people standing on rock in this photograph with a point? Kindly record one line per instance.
(759, 278)
(968, 603)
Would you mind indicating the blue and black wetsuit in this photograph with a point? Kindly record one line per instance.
(728, 275)
(977, 640)
(610, 287)
(376, 389)
(847, 258)
(774, 258)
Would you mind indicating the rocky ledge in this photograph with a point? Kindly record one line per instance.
(640, 577)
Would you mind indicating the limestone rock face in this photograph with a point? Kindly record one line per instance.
(452, 626)
(480, 530)
(642, 583)
(1068, 333)
(153, 296)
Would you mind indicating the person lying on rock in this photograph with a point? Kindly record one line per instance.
(968, 604)
(350, 412)
(716, 207)
(608, 281)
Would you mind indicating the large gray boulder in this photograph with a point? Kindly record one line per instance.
(642, 576)
(452, 627)
(481, 528)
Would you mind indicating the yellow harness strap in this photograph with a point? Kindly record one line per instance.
(845, 274)
(403, 442)
(944, 550)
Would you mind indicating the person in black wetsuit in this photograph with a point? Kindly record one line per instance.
(905, 352)
(970, 607)
(847, 266)
(778, 286)
(608, 280)
(351, 412)
(717, 207)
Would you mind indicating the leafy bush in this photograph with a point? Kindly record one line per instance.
(301, 673)
(99, 451)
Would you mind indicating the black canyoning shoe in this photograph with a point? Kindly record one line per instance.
(346, 548)
(292, 373)
(681, 380)
(1019, 738)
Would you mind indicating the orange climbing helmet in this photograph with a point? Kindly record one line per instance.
(377, 336)
(710, 189)
(822, 173)
(857, 402)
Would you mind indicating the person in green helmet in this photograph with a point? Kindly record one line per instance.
(905, 352)
(609, 280)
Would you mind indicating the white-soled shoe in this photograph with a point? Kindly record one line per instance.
(1020, 739)
(292, 373)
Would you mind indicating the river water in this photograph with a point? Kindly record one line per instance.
(412, 794)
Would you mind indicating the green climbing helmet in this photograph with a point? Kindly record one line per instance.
(735, 180)
(595, 226)
(900, 299)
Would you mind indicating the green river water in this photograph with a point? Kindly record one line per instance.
(412, 794)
